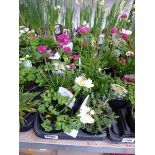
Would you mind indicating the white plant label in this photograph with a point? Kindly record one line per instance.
(73, 133)
(128, 140)
(51, 136)
(65, 92)
(84, 102)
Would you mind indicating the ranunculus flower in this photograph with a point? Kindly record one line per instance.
(123, 60)
(70, 45)
(75, 56)
(42, 49)
(85, 115)
(129, 53)
(82, 29)
(125, 36)
(67, 50)
(113, 30)
(71, 66)
(83, 82)
(124, 15)
(63, 39)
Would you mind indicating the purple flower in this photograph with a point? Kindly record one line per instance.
(113, 30)
(82, 29)
(42, 49)
(63, 39)
(75, 57)
(124, 15)
(71, 66)
(67, 50)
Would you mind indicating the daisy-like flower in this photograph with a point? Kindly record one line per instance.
(42, 49)
(67, 50)
(83, 82)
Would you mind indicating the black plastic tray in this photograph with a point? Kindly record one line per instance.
(121, 131)
(30, 117)
(61, 135)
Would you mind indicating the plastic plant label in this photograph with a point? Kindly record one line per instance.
(51, 136)
(65, 92)
(84, 102)
(73, 133)
(128, 140)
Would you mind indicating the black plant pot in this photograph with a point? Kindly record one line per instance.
(52, 124)
(32, 87)
(131, 119)
(108, 71)
(121, 130)
(39, 131)
(29, 117)
(90, 133)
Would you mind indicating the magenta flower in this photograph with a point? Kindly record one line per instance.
(124, 15)
(75, 57)
(82, 29)
(42, 49)
(125, 36)
(63, 39)
(67, 50)
(113, 30)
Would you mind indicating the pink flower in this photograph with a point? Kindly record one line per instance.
(124, 15)
(129, 53)
(125, 36)
(71, 66)
(113, 30)
(63, 39)
(75, 57)
(67, 50)
(82, 29)
(42, 49)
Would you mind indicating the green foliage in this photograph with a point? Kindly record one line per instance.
(27, 103)
(103, 116)
(27, 75)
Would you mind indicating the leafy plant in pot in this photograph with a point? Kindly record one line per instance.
(52, 105)
(27, 108)
(102, 116)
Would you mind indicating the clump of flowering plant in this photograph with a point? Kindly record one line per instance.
(63, 39)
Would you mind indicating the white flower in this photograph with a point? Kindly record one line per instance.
(27, 64)
(87, 119)
(100, 69)
(26, 29)
(22, 31)
(70, 45)
(129, 53)
(82, 81)
(55, 56)
(123, 31)
(58, 68)
(85, 115)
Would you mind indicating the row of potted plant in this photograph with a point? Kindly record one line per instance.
(70, 75)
